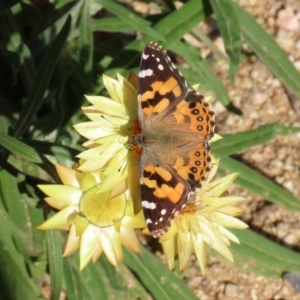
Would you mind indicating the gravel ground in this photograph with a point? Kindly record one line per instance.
(263, 100)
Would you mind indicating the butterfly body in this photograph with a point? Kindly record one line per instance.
(175, 126)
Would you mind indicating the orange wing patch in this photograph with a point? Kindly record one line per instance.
(195, 111)
(162, 181)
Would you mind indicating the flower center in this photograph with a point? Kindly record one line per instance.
(133, 145)
(190, 208)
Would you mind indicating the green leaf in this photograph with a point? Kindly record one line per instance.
(41, 81)
(18, 148)
(229, 26)
(112, 24)
(234, 143)
(86, 45)
(259, 184)
(156, 277)
(268, 51)
(55, 262)
(205, 75)
(101, 281)
(131, 18)
(15, 281)
(24, 218)
(27, 153)
(263, 256)
(64, 154)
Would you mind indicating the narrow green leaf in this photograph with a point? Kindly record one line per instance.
(229, 26)
(86, 45)
(263, 256)
(15, 281)
(18, 148)
(156, 277)
(234, 143)
(27, 153)
(205, 74)
(24, 218)
(41, 80)
(55, 262)
(111, 24)
(60, 152)
(259, 184)
(131, 18)
(101, 281)
(268, 50)
(174, 25)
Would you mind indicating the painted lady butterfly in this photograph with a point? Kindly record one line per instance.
(175, 126)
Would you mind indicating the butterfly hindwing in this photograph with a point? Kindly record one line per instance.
(163, 194)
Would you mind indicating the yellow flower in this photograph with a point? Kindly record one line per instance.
(203, 222)
(113, 122)
(99, 203)
(97, 222)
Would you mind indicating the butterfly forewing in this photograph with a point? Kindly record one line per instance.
(161, 85)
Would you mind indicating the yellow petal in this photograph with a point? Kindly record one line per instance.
(215, 203)
(108, 107)
(116, 242)
(169, 251)
(69, 176)
(120, 189)
(113, 87)
(129, 97)
(55, 203)
(80, 224)
(106, 151)
(63, 217)
(106, 236)
(200, 250)
(67, 194)
(97, 253)
(129, 239)
(88, 243)
(214, 240)
(134, 185)
(218, 187)
(137, 221)
(95, 130)
(133, 79)
(72, 243)
(228, 221)
(185, 249)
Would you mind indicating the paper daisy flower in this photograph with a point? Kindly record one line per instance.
(202, 224)
(97, 222)
(99, 203)
(113, 122)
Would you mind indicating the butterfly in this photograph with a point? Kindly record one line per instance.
(175, 125)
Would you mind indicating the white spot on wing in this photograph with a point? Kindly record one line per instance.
(163, 211)
(160, 67)
(145, 56)
(161, 219)
(148, 205)
(145, 73)
(157, 59)
(148, 221)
